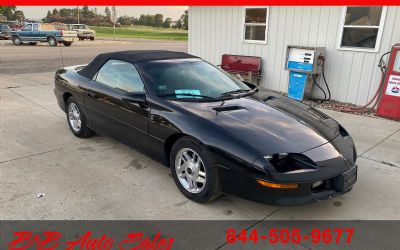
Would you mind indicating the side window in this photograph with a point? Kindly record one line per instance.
(35, 27)
(27, 27)
(120, 75)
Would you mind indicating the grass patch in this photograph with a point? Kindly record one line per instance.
(142, 32)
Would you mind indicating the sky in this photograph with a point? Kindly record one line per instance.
(38, 12)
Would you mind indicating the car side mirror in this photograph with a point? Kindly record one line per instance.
(138, 98)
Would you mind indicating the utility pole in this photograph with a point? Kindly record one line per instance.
(114, 18)
(78, 13)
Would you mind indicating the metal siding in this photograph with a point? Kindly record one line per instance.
(352, 76)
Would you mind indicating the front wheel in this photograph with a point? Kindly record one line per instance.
(52, 41)
(16, 40)
(77, 120)
(194, 170)
(92, 39)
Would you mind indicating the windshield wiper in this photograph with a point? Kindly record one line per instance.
(237, 91)
(186, 94)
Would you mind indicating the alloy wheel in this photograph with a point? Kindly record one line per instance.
(190, 170)
(74, 117)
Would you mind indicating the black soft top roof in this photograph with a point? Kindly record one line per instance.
(132, 56)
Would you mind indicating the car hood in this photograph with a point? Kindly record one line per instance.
(270, 123)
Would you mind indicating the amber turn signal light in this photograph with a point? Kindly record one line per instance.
(278, 185)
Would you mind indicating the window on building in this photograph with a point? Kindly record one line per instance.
(362, 28)
(255, 24)
(120, 75)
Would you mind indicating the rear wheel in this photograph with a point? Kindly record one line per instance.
(16, 40)
(194, 170)
(77, 120)
(52, 41)
(92, 39)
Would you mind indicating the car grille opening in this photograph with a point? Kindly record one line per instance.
(324, 186)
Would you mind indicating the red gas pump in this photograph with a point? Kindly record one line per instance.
(389, 104)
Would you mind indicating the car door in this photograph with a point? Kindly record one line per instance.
(107, 109)
(35, 32)
(26, 33)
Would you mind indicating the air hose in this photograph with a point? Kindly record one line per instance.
(375, 99)
(322, 63)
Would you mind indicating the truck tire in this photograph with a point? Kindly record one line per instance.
(67, 44)
(52, 41)
(92, 39)
(16, 40)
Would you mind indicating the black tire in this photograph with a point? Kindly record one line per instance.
(84, 131)
(67, 44)
(16, 40)
(92, 39)
(81, 39)
(52, 41)
(212, 186)
(32, 43)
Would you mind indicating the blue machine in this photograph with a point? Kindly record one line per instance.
(302, 63)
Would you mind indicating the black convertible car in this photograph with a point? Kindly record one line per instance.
(216, 133)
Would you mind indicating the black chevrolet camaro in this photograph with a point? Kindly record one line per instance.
(216, 133)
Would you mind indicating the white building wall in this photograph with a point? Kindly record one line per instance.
(352, 76)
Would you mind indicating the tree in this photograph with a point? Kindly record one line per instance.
(108, 14)
(149, 20)
(85, 11)
(8, 11)
(19, 15)
(178, 24)
(185, 20)
(114, 15)
(167, 22)
(55, 12)
(48, 14)
(125, 20)
(158, 20)
(142, 20)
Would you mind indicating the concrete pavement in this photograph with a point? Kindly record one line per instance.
(98, 178)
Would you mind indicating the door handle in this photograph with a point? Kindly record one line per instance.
(91, 94)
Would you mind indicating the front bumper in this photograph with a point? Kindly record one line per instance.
(305, 193)
(86, 36)
(246, 186)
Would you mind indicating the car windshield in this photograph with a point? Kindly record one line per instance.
(189, 79)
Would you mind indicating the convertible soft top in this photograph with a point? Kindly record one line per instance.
(132, 56)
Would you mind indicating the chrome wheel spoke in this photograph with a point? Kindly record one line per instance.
(200, 179)
(186, 157)
(202, 174)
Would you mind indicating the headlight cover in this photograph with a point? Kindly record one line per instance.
(290, 163)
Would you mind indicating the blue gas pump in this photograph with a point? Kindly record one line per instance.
(302, 63)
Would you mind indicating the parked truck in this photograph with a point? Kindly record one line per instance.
(34, 33)
(83, 31)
